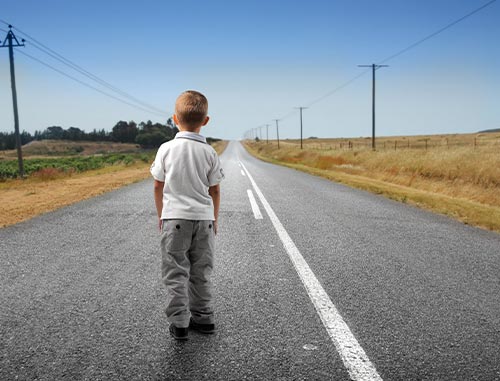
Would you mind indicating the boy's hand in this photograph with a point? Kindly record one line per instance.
(216, 226)
(160, 224)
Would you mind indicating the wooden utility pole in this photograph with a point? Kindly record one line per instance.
(374, 67)
(11, 42)
(277, 132)
(300, 108)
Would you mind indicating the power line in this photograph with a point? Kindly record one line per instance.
(437, 32)
(413, 45)
(338, 88)
(45, 49)
(100, 81)
(87, 85)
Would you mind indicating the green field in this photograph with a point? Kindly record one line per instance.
(9, 168)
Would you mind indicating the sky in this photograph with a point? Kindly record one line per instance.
(256, 61)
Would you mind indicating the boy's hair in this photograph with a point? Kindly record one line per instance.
(191, 109)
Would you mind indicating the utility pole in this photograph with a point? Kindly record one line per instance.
(300, 108)
(8, 42)
(374, 67)
(277, 132)
(267, 133)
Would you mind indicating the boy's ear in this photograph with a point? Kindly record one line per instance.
(206, 121)
(176, 120)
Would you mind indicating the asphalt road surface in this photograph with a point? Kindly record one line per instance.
(315, 281)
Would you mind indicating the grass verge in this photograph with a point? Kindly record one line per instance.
(438, 197)
(24, 199)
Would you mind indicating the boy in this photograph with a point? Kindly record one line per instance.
(187, 174)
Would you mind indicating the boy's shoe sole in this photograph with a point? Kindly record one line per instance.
(178, 333)
(207, 329)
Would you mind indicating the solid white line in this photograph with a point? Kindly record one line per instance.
(255, 208)
(243, 173)
(354, 357)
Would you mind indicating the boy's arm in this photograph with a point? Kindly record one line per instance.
(158, 192)
(214, 192)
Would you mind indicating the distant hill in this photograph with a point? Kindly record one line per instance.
(492, 130)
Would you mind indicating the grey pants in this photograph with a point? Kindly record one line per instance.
(187, 249)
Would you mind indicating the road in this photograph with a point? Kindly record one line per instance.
(416, 294)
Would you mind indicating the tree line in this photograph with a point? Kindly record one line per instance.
(146, 134)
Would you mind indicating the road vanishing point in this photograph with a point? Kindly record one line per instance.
(313, 281)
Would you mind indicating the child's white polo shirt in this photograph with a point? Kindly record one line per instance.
(188, 166)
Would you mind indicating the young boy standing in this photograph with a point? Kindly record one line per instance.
(187, 174)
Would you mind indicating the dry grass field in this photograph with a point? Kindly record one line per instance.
(23, 199)
(457, 175)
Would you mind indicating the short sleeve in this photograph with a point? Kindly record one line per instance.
(158, 167)
(216, 174)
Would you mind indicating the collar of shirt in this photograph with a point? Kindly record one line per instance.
(191, 136)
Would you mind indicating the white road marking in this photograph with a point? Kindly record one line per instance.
(354, 357)
(255, 208)
(243, 173)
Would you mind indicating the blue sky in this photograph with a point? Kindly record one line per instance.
(256, 61)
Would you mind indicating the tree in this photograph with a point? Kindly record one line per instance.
(74, 133)
(54, 132)
(124, 132)
(8, 140)
(153, 135)
(151, 139)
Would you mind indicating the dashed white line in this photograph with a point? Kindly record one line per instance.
(354, 357)
(255, 208)
(242, 173)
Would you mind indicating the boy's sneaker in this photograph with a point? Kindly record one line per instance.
(202, 328)
(178, 333)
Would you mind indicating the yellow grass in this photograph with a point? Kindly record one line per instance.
(220, 146)
(21, 200)
(24, 199)
(460, 180)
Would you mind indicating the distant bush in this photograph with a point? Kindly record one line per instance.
(213, 140)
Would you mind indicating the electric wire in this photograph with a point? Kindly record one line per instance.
(397, 54)
(330, 93)
(415, 44)
(86, 84)
(40, 46)
(100, 81)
